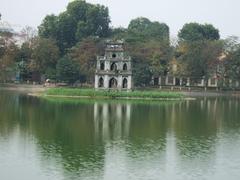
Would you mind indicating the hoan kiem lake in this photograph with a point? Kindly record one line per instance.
(61, 139)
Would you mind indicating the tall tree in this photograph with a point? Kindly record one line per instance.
(149, 58)
(49, 27)
(232, 63)
(45, 54)
(8, 57)
(80, 20)
(196, 32)
(84, 54)
(199, 58)
(143, 29)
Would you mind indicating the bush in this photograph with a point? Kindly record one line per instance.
(67, 71)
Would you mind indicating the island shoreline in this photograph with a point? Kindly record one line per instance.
(39, 90)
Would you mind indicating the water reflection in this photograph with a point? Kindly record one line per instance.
(68, 139)
(112, 121)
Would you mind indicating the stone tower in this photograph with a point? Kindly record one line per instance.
(114, 69)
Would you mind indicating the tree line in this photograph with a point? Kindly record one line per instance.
(66, 46)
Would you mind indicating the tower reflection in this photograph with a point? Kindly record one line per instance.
(112, 121)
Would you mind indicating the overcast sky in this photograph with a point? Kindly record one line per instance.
(223, 14)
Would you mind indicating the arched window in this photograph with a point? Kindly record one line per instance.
(102, 66)
(101, 82)
(113, 83)
(125, 83)
(125, 67)
(113, 67)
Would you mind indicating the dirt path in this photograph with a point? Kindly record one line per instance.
(23, 88)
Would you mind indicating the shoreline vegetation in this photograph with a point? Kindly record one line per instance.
(102, 94)
(88, 93)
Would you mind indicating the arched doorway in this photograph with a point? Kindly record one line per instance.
(156, 81)
(125, 83)
(113, 83)
(113, 67)
(125, 67)
(102, 66)
(101, 82)
(177, 83)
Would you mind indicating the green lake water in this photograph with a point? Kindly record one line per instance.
(53, 139)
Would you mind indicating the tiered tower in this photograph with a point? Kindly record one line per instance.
(114, 69)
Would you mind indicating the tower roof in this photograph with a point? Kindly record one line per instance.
(112, 45)
(114, 42)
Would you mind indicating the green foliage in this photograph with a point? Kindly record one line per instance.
(118, 33)
(45, 54)
(23, 60)
(48, 28)
(22, 68)
(111, 94)
(199, 58)
(25, 52)
(149, 58)
(141, 74)
(233, 64)
(51, 73)
(142, 29)
(84, 54)
(148, 45)
(78, 35)
(80, 20)
(198, 51)
(8, 57)
(67, 70)
(197, 32)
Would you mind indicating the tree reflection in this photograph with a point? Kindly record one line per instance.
(99, 138)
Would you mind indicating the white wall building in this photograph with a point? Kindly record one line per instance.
(114, 69)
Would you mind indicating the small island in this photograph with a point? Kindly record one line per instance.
(103, 94)
(113, 80)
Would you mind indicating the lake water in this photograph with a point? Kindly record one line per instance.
(53, 139)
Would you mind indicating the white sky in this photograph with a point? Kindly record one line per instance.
(223, 14)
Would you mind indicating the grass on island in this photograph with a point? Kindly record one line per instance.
(92, 101)
(71, 92)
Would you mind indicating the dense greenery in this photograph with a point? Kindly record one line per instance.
(196, 32)
(67, 71)
(79, 21)
(233, 66)
(198, 58)
(67, 45)
(141, 29)
(111, 94)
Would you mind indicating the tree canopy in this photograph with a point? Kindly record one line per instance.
(233, 64)
(84, 54)
(199, 59)
(143, 29)
(80, 20)
(196, 32)
(45, 54)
